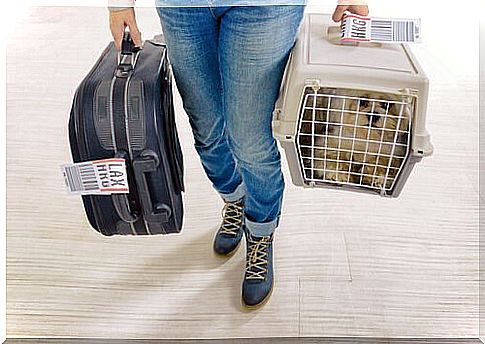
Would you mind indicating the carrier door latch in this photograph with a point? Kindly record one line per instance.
(313, 83)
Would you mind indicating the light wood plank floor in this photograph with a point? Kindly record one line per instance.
(288, 340)
(346, 264)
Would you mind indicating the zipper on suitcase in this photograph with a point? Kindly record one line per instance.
(142, 166)
(121, 145)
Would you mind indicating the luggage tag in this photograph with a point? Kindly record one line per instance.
(98, 177)
(357, 28)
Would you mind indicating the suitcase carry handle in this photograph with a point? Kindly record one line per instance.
(148, 162)
(127, 44)
(127, 56)
(121, 201)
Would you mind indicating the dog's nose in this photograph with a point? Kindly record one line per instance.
(402, 138)
(373, 119)
(364, 103)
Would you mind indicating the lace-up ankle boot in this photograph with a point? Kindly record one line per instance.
(230, 232)
(258, 278)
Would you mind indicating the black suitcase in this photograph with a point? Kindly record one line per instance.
(124, 109)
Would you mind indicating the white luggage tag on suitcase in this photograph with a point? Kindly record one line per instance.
(106, 176)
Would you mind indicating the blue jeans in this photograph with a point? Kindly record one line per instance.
(228, 63)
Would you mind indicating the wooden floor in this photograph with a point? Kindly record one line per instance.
(299, 340)
(346, 264)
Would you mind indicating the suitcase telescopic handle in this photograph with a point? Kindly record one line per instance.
(148, 162)
(121, 201)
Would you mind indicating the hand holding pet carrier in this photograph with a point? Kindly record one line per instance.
(351, 117)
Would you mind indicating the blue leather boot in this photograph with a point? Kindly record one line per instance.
(258, 278)
(229, 235)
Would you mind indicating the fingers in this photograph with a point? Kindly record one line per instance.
(117, 33)
(134, 31)
(362, 10)
(339, 13)
(117, 28)
(118, 21)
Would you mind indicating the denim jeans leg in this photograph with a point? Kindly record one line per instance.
(192, 35)
(254, 46)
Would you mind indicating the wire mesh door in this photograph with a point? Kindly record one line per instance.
(355, 138)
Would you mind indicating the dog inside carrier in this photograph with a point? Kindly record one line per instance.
(353, 137)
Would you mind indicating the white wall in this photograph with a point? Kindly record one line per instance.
(450, 30)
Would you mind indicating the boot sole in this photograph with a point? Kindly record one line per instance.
(257, 306)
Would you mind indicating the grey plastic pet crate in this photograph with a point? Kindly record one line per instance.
(351, 116)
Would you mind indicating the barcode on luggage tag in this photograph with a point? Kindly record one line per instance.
(358, 28)
(105, 176)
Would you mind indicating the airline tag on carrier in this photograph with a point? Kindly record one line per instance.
(357, 28)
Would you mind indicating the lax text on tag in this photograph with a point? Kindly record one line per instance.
(111, 174)
(97, 177)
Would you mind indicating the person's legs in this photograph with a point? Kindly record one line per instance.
(254, 46)
(192, 42)
(228, 64)
(192, 34)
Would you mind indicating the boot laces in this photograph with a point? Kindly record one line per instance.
(257, 258)
(232, 217)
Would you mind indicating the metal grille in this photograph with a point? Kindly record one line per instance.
(352, 137)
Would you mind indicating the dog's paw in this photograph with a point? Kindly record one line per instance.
(319, 175)
(341, 177)
(376, 181)
(367, 180)
(331, 175)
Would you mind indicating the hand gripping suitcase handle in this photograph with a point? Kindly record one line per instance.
(127, 45)
(148, 162)
(127, 56)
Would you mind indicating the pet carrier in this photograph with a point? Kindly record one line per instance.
(351, 117)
